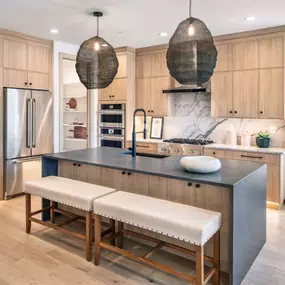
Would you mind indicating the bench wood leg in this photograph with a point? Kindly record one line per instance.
(200, 265)
(216, 279)
(97, 235)
(121, 237)
(28, 213)
(52, 213)
(113, 228)
(88, 236)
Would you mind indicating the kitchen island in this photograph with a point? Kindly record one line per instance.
(237, 190)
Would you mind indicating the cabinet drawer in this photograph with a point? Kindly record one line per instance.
(255, 157)
(215, 153)
(144, 147)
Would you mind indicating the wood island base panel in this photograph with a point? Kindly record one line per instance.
(237, 191)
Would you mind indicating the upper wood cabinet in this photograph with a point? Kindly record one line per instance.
(15, 78)
(271, 88)
(271, 52)
(117, 91)
(222, 94)
(248, 81)
(15, 54)
(245, 94)
(39, 80)
(152, 77)
(245, 55)
(39, 58)
(1, 52)
(224, 60)
(123, 65)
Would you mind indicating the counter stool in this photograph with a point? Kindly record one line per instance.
(77, 194)
(186, 223)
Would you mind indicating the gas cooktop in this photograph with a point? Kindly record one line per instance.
(188, 141)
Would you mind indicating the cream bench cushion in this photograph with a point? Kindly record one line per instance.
(67, 191)
(191, 224)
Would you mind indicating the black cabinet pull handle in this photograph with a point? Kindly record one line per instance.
(198, 185)
(261, 112)
(235, 112)
(113, 96)
(148, 111)
(190, 184)
(152, 111)
(74, 164)
(129, 173)
(231, 112)
(31, 83)
(214, 153)
(79, 165)
(123, 172)
(251, 156)
(26, 83)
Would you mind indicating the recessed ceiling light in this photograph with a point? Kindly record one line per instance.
(163, 34)
(250, 18)
(54, 31)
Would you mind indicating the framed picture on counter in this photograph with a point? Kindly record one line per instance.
(156, 128)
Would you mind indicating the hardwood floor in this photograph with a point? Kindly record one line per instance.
(48, 257)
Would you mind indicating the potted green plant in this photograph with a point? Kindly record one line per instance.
(263, 139)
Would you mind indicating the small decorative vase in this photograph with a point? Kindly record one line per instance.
(263, 142)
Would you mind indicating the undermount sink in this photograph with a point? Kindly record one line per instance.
(152, 155)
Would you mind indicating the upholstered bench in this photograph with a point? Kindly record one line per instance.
(190, 224)
(77, 194)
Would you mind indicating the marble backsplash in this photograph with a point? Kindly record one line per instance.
(190, 117)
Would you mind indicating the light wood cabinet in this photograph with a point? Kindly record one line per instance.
(39, 80)
(15, 54)
(143, 91)
(15, 78)
(271, 89)
(275, 171)
(39, 58)
(144, 147)
(245, 94)
(1, 52)
(224, 60)
(245, 55)
(123, 63)
(117, 91)
(271, 52)
(222, 94)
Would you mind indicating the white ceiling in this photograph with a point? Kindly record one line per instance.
(139, 20)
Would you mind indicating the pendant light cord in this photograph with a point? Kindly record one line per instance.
(97, 26)
(190, 8)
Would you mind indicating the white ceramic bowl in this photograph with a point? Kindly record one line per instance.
(200, 164)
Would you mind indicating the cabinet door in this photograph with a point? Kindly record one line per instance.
(159, 100)
(39, 58)
(271, 52)
(89, 174)
(143, 66)
(67, 169)
(222, 94)
(39, 80)
(271, 89)
(245, 55)
(215, 153)
(15, 78)
(159, 65)
(273, 183)
(119, 89)
(105, 94)
(122, 70)
(245, 93)
(14, 54)
(225, 57)
(134, 183)
(143, 94)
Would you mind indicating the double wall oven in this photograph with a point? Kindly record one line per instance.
(112, 125)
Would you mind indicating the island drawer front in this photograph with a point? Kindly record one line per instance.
(254, 156)
(145, 147)
(215, 153)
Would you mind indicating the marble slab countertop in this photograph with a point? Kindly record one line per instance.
(231, 172)
(270, 150)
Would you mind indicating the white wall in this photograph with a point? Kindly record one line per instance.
(59, 47)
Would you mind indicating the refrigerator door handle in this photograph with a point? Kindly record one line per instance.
(28, 159)
(28, 123)
(34, 128)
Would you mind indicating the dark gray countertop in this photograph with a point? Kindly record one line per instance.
(231, 172)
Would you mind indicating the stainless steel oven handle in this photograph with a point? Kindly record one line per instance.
(112, 138)
(34, 128)
(115, 112)
(28, 123)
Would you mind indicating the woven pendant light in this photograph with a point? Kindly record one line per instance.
(96, 61)
(192, 55)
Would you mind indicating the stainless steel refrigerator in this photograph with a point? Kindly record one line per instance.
(27, 135)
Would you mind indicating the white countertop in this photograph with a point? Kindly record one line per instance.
(270, 150)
